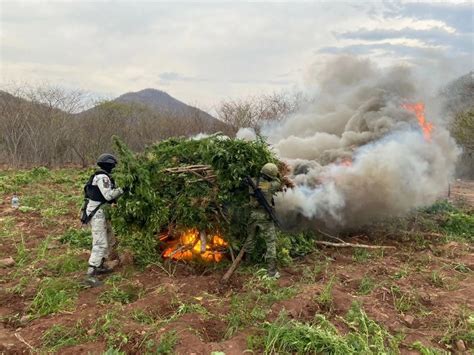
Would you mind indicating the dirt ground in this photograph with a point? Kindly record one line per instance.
(463, 191)
(422, 289)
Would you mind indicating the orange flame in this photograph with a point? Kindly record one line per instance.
(419, 110)
(189, 247)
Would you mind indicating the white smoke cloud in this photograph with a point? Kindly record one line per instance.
(246, 134)
(357, 155)
(200, 136)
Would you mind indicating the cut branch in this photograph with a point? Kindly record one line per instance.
(203, 172)
(330, 236)
(352, 245)
(236, 262)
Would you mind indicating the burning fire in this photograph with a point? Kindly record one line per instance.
(419, 110)
(193, 244)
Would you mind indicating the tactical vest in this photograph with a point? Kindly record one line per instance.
(268, 189)
(92, 192)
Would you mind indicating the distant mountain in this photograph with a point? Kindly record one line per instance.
(171, 116)
(161, 101)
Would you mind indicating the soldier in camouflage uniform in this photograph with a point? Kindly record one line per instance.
(260, 223)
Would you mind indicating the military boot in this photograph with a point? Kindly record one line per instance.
(103, 269)
(272, 269)
(91, 279)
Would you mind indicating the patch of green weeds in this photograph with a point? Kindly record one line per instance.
(324, 299)
(460, 327)
(424, 350)
(312, 274)
(461, 267)
(255, 342)
(291, 245)
(7, 227)
(109, 327)
(115, 278)
(125, 294)
(252, 307)
(183, 308)
(456, 223)
(54, 211)
(42, 249)
(65, 264)
(240, 314)
(460, 226)
(13, 182)
(421, 242)
(361, 255)
(167, 343)
(366, 285)
(439, 207)
(405, 301)
(423, 262)
(22, 253)
(59, 336)
(77, 238)
(113, 351)
(140, 316)
(21, 286)
(54, 295)
(321, 337)
(437, 279)
(36, 202)
(147, 345)
(26, 209)
(402, 273)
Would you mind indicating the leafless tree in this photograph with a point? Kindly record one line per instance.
(254, 111)
(47, 125)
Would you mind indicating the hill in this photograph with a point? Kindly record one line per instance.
(161, 101)
(170, 112)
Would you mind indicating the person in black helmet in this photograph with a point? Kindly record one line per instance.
(100, 190)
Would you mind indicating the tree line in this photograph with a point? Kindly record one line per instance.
(50, 126)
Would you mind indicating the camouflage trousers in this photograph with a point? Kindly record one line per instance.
(260, 226)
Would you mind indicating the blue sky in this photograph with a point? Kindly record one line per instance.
(203, 53)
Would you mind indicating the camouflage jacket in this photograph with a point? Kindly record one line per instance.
(269, 189)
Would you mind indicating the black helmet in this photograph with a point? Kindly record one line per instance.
(106, 158)
(107, 162)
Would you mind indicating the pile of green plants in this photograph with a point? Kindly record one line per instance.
(365, 336)
(157, 199)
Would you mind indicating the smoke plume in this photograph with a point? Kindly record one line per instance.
(357, 153)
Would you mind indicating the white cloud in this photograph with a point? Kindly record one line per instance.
(200, 53)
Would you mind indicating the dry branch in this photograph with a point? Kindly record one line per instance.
(352, 245)
(189, 168)
(236, 263)
(203, 172)
(330, 236)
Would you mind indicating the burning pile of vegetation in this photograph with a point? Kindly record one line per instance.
(185, 198)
